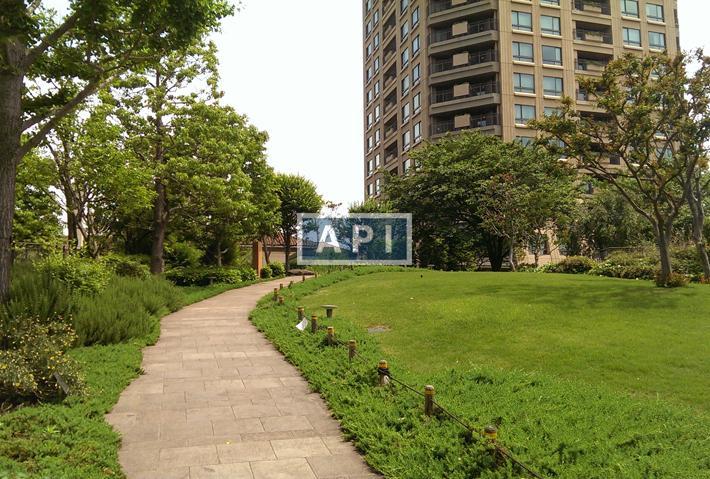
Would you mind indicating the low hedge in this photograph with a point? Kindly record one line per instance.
(559, 428)
(206, 275)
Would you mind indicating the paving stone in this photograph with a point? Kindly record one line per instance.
(188, 456)
(245, 452)
(283, 469)
(286, 423)
(299, 447)
(222, 471)
(327, 467)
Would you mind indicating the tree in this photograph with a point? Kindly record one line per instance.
(633, 145)
(475, 195)
(371, 206)
(48, 67)
(297, 195)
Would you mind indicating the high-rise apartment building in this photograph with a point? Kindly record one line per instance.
(437, 66)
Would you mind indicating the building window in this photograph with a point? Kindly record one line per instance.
(632, 37)
(417, 132)
(377, 160)
(370, 189)
(550, 2)
(405, 85)
(552, 86)
(657, 40)
(550, 25)
(377, 137)
(415, 17)
(523, 52)
(524, 83)
(369, 74)
(525, 140)
(416, 73)
(552, 111)
(377, 40)
(368, 6)
(377, 186)
(405, 30)
(630, 8)
(377, 113)
(655, 12)
(370, 143)
(524, 114)
(369, 50)
(406, 140)
(376, 64)
(404, 4)
(417, 102)
(368, 28)
(405, 112)
(369, 97)
(405, 57)
(376, 17)
(522, 21)
(416, 45)
(370, 167)
(551, 55)
(406, 165)
(377, 87)
(369, 120)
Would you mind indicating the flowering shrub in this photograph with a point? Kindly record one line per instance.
(81, 275)
(31, 352)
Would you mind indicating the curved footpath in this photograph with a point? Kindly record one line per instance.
(218, 401)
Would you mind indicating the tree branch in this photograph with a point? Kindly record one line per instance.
(51, 39)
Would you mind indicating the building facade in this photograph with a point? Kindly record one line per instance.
(432, 67)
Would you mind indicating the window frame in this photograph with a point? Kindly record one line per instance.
(520, 108)
(516, 15)
(626, 13)
(625, 37)
(558, 32)
(652, 17)
(555, 62)
(519, 86)
(558, 80)
(517, 45)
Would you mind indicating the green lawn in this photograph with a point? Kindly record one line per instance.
(628, 335)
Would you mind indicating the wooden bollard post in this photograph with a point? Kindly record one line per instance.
(428, 400)
(281, 300)
(490, 433)
(331, 335)
(301, 313)
(316, 275)
(352, 349)
(303, 278)
(383, 370)
(290, 284)
(314, 324)
(281, 286)
(276, 294)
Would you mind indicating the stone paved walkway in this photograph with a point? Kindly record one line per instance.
(218, 401)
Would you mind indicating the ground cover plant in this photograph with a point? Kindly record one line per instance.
(590, 424)
(69, 438)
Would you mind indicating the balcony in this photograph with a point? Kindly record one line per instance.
(592, 6)
(474, 58)
(479, 26)
(486, 120)
(443, 5)
(474, 90)
(596, 36)
(590, 66)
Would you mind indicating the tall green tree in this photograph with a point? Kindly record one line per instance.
(636, 141)
(49, 65)
(296, 195)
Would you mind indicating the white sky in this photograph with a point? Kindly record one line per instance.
(295, 68)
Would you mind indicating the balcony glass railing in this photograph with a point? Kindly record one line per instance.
(441, 5)
(476, 89)
(591, 65)
(592, 6)
(479, 26)
(598, 36)
(474, 58)
(439, 127)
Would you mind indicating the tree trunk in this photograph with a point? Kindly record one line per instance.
(157, 263)
(218, 256)
(11, 83)
(663, 242)
(287, 249)
(512, 254)
(695, 202)
(495, 247)
(266, 250)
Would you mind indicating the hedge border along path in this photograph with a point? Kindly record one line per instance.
(559, 428)
(217, 400)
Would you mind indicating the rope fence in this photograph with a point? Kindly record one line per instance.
(487, 434)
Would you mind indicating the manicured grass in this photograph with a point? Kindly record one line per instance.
(71, 440)
(566, 427)
(628, 335)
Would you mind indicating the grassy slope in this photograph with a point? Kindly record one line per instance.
(71, 439)
(626, 334)
(562, 428)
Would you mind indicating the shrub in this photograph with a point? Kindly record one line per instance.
(248, 274)
(32, 352)
(265, 272)
(627, 266)
(125, 266)
(36, 294)
(204, 275)
(677, 280)
(126, 309)
(182, 254)
(81, 275)
(574, 265)
(277, 269)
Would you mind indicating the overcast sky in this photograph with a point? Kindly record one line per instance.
(295, 68)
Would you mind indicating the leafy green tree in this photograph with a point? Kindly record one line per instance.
(48, 66)
(473, 195)
(296, 195)
(636, 143)
(371, 205)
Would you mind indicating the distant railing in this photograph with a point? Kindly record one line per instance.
(594, 6)
(486, 25)
(441, 5)
(591, 65)
(440, 127)
(476, 89)
(593, 35)
(474, 58)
